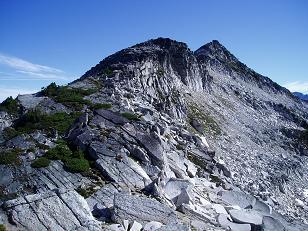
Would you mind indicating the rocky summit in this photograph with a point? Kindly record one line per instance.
(156, 137)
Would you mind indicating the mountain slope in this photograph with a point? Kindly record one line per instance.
(181, 134)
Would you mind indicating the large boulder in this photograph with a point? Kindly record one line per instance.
(52, 210)
(271, 224)
(141, 209)
(246, 216)
(239, 198)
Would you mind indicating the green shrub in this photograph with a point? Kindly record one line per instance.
(10, 105)
(70, 97)
(101, 106)
(107, 71)
(60, 152)
(36, 120)
(130, 116)
(2, 227)
(41, 162)
(10, 157)
(77, 165)
(9, 133)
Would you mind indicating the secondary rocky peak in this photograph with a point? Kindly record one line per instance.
(216, 50)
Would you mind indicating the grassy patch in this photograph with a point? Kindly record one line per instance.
(9, 133)
(101, 106)
(10, 157)
(86, 192)
(74, 161)
(10, 105)
(77, 165)
(196, 160)
(36, 120)
(2, 227)
(209, 125)
(70, 97)
(130, 116)
(179, 147)
(41, 162)
(60, 152)
(107, 71)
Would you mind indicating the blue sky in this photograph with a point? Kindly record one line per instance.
(42, 41)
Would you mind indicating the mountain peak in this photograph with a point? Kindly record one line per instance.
(164, 43)
(214, 49)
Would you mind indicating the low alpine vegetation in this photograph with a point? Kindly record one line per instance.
(10, 157)
(36, 120)
(101, 106)
(10, 106)
(41, 162)
(74, 161)
(70, 97)
(130, 116)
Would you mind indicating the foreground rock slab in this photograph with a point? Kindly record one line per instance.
(141, 209)
(52, 210)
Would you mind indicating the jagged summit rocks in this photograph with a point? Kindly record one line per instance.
(157, 137)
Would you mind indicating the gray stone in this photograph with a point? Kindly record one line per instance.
(114, 227)
(246, 216)
(135, 226)
(174, 227)
(141, 209)
(152, 226)
(173, 188)
(125, 172)
(271, 224)
(262, 207)
(225, 223)
(6, 175)
(154, 148)
(21, 142)
(29, 101)
(63, 210)
(112, 116)
(237, 198)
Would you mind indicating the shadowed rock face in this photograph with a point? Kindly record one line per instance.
(176, 140)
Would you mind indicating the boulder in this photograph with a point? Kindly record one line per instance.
(125, 172)
(246, 216)
(223, 221)
(135, 226)
(141, 209)
(52, 210)
(153, 145)
(239, 198)
(22, 142)
(174, 187)
(271, 224)
(262, 207)
(174, 227)
(152, 226)
(112, 116)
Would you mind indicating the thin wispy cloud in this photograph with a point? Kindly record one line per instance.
(297, 86)
(28, 70)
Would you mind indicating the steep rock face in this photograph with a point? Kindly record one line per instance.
(202, 134)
